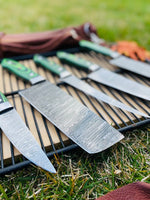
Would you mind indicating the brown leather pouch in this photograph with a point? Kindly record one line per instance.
(133, 191)
(30, 43)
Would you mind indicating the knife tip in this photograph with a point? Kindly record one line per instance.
(48, 166)
(51, 169)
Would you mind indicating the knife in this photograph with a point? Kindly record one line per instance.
(123, 62)
(19, 135)
(76, 121)
(107, 77)
(79, 84)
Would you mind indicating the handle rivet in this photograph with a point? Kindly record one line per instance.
(31, 74)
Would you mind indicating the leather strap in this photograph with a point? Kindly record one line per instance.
(40, 42)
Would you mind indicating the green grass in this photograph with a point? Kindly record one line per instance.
(114, 20)
(83, 176)
(79, 175)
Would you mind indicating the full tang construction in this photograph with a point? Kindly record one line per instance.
(123, 62)
(107, 77)
(19, 135)
(76, 121)
(79, 84)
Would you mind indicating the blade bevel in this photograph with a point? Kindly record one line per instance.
(100, 96)
(119, 82)
(76, 121)
(20, 136)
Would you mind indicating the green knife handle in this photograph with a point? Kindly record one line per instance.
(18, 69)
(47, 64)
(74, 60)
(95, 47)
(4, 103)
(3, 99)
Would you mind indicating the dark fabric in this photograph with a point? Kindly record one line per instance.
(18, 44)
(133, 191)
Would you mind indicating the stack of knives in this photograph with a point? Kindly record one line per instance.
(76, 121)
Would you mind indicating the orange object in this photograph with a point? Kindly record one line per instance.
(132, 50)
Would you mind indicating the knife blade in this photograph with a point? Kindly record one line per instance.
(119, 60)
(19, 135)
(75, 82)
(107, 77)
(76, 121)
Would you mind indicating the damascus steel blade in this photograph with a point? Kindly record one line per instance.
(100, 96)
(76, 121)
(129, 64)
(20, 136)
(118, 82)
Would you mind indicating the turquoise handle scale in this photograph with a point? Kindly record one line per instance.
(97, 48)
(74, 60)
(18, 69)
(48, 64)
(4, 104)
(3, 99)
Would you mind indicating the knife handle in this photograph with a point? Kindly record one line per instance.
(74, 60)
(97, 48)
(4, 103)
(48, 64)
(18, 69)
(3, 99)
